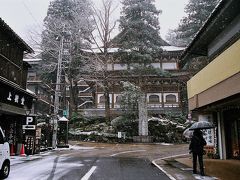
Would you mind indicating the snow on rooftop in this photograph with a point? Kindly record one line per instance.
(63, 119)
(113, 50)
(100, 50)
(32, 59)
(31, 92)
(172, 48)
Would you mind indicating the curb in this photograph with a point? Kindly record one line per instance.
(159, 167)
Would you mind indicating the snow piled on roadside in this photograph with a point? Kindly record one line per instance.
(20, 159)
(51, 167)
(166, 144)
(80, 132)
(76, 147)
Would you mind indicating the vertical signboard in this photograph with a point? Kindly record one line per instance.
(208, 135)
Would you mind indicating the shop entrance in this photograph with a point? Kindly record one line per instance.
(232, 132)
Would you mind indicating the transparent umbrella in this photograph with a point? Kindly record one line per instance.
(201, 125)
(187, 133)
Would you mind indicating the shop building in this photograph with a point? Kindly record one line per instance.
(15, 100)
(43, 107)
(214, 92)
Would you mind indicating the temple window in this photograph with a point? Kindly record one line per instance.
(154, 99)
(171, 98)
(101, 99)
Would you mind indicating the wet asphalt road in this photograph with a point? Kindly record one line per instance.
(102, 162)
(116, 169)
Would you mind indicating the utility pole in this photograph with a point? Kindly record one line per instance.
(57, 93)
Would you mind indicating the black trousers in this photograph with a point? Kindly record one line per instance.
(200, 160)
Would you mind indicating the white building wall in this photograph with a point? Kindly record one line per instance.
(169, 66)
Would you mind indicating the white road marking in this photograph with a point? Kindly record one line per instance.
(165, 172)
(89, 173)
(125, 152)
(178, 155)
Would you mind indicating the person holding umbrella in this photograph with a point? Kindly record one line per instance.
(196, 148)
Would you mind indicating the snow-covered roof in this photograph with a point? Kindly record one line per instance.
(100, 50)
(63, 119)
(221, 17)
(113, 50)
(31, 92)
(32, 60)
(172, 48)
(41, 123)
(14, 36)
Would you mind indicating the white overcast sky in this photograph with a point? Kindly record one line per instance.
(24, 15)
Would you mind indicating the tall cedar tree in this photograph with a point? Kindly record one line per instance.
(197, 13)
(140, 43)
(139, 28)
(67, 19)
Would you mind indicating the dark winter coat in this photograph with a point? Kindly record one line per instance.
(197, 143)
